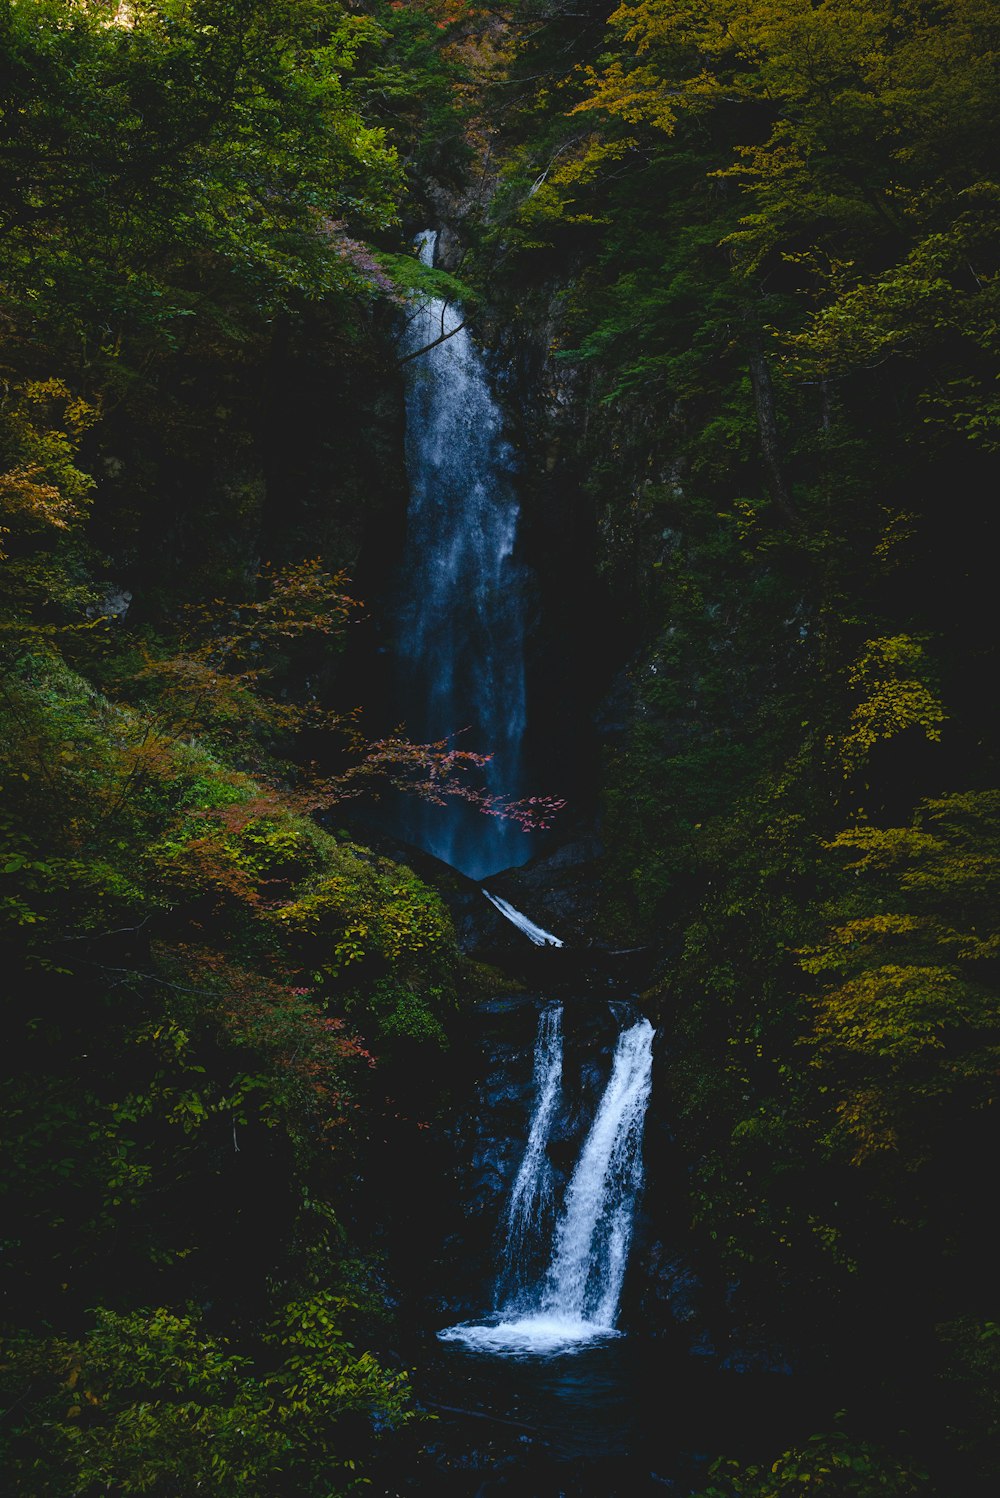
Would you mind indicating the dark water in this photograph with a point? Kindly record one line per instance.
(629, 1417)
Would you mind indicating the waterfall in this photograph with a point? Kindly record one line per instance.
(592, 1239)
(460, 618)
(530, 1207)
(576, 1300)
(534, 933)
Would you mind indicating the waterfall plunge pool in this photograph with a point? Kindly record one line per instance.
(530, 1336)
(619, 1417)
(533, 1401)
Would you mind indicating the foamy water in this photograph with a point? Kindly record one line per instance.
(540, 1336)
(537, 934)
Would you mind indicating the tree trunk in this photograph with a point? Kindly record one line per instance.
(763, 394)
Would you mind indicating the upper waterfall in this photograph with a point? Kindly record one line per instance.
(460, 625)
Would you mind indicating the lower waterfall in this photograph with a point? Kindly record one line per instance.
(575, 1300)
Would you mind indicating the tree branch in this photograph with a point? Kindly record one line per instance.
(428, 346)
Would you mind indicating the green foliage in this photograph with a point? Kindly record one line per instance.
(761, 241)
(148, 1402)
(415, 87)
(414, 278)
(204, 988)
(198, 976)
(192, 968)
(835, 1466)
(971, 1389)
(194, 133)
(907, 1033)
(863, 161)
(45, 499)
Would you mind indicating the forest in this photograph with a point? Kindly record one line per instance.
(733, 267)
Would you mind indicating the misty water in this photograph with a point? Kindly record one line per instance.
(460, 607)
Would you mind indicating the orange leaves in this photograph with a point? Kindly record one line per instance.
(303, 598)
(216, 680)
(216, 684)
(26, 499)
(299, 600)
(208, 867)
(443, 13)
(42, 490)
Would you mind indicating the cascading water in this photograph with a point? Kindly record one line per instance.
(576, 1300)
(460, 652)
(592, 1239)
(460, 619)
(529, 1211)
(535, 934)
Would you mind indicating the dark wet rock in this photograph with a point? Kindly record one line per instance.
(559, 890)
(756, 1359)
(673, 1286)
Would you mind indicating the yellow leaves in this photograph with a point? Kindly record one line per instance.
(847, 944)
(25, 497)
(896, 1011)
(901, 1039)
(587, 158)
(890, 676)
(865, 126)
(900, 526)
(712, 26)
(693, 53)
(636, 96)
(909, 1022)
(78, 414)
(83, 1396)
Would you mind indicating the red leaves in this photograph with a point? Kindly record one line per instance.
(436, 773)
(216, 685)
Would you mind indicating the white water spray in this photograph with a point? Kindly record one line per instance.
(594, 1232)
